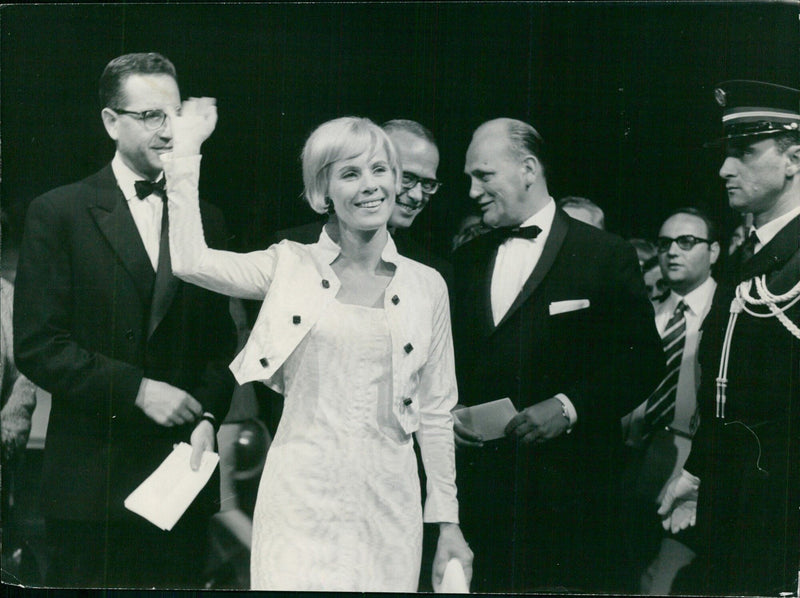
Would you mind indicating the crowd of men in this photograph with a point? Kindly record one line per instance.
(655, 446)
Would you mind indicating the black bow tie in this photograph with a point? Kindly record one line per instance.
(146, 188)
(528, 232)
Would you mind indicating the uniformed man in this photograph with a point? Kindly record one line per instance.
(741, 483)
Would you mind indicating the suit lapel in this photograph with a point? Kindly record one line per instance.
(166, 284)
(112, 216)
(549, 253)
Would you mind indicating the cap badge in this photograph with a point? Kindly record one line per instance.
(720, 96)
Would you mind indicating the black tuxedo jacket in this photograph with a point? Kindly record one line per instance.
(604, 358)
(85, 331)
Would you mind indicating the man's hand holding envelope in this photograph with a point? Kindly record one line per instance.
(538, 423)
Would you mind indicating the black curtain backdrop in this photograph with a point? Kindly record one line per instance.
(621, 92)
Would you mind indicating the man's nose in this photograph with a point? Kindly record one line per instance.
(727, 169)
(415, 192)
(475, 190)
(165, 131)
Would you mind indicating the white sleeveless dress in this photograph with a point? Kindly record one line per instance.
(338, 505)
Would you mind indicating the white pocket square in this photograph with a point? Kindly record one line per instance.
(560, 307)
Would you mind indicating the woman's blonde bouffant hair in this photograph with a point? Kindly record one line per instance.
(341, 139)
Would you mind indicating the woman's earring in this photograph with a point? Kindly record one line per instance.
(329, 206)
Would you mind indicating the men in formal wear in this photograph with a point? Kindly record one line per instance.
(660, 430)
(745, 458)
(135, 359)
(552, 313)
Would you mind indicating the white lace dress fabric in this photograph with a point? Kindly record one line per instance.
(338, 505)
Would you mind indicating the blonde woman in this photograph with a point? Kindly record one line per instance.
(358, 340)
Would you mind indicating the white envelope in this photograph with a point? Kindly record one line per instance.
(166, 494)
(488, 419)
(560, 307)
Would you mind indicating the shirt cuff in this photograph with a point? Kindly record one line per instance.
(568, 410)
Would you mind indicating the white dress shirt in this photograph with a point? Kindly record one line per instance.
(516, 259)
(698, 302)
(146, 212)
(766, 232)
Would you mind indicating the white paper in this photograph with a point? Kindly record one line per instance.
(166, 494)
(488, 419)
(453, 581)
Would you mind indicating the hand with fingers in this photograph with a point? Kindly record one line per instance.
(539, 423)
(202, 439)
(194, 124)
(167, 405)
(679, 506)
(463, 435)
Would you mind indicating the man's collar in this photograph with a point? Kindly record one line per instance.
(696, 299)
(126, 178)
(543, 218)
(766, 232)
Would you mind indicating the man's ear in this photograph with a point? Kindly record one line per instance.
(715, 251)
(532, 169)
(110, 122)
(793, 155)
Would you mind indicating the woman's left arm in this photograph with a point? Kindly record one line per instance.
(438, 395)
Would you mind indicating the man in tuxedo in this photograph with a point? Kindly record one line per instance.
(660, 430)
(741, 482)
(135, 359)
(552, 313)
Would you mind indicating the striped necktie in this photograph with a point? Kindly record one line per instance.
(660, 408)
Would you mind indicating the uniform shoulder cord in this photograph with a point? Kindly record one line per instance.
(740, 303)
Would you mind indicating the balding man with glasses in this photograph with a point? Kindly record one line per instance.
(134, 358)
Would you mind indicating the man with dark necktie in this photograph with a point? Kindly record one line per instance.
(553, 314)
(135, 359)
(741, 482)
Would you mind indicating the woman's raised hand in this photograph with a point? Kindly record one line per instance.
(193, 125)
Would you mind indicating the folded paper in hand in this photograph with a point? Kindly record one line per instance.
(488, 419)
(166, 494)
(453, 581)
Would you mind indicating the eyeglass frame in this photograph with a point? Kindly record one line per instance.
(418, 180)
(684, 242)
(142, 116)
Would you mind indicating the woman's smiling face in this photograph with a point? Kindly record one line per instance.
(363, 190)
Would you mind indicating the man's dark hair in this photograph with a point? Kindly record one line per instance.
(785, 140)
(410, 126)
(122, 67)
(712, 232)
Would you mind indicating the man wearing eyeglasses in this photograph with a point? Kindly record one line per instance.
(741, 482)
(135, 359)
(660, 430)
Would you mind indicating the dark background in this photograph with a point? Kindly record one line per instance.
(622, 93)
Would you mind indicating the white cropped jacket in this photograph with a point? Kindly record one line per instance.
(297, 284)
